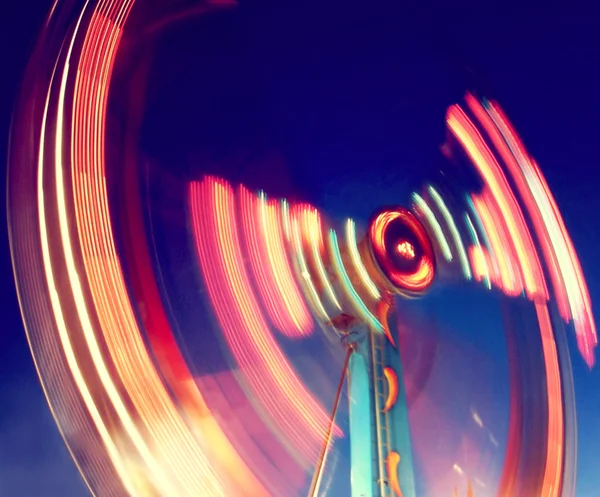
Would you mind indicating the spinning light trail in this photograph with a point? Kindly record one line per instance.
(138, 417)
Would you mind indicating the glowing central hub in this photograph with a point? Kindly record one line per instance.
(406, 249)
(401, 251)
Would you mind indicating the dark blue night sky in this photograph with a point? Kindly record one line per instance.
(367, 88)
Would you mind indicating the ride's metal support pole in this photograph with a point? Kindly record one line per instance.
(318, 474)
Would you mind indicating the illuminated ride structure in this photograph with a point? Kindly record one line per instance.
(398, 260)
(137, 415)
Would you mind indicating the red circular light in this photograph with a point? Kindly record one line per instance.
(401, 250)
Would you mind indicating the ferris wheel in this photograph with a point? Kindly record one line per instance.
(195, 335)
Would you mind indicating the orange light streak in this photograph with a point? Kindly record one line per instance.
(99, 46)
(551, 484)
(392, 462)
(510, 147)
(67, 346)
(392, 382)
(509, 275)
(382, 312)
(480, 263)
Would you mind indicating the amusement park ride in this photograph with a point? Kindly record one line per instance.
(398, 260)
(105, 332)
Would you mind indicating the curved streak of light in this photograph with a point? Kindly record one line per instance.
(68, 350)
(497, 133)
(285, 217)
(79, 298)
(434, 224)
(507, 143)
(306, 278)
(492, 261)
(511, 283)
(383, 310)
(357, 261)
(479, 248)
(222, 441)
(460, 248)
(311, 223)
(553, 473)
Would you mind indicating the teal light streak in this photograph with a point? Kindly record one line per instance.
(475, 237)
(462, 254)
(356, 259)
(313, 296)
(479, 224)
(435, 226)
(355, 299)
(285, 217)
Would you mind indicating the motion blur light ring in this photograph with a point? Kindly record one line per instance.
(401, 251)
